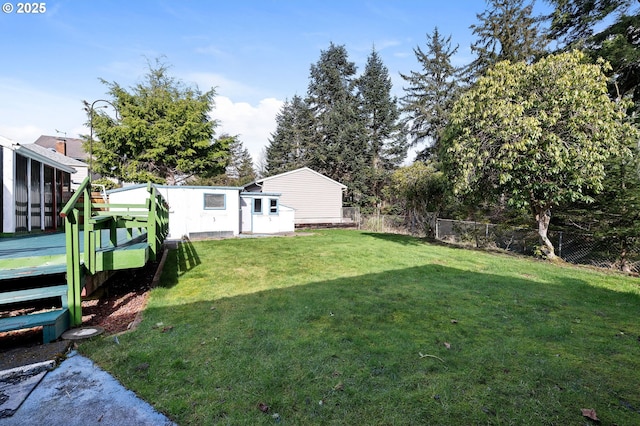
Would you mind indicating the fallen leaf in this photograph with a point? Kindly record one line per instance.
(454, 321)
(447, 345)
(339, 387)
(590, 413)
(263, 407)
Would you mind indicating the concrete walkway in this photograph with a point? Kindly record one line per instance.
(79, 393)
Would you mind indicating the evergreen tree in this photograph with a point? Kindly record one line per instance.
(431, 92)
(507, 32)
(240, 169)
(340, 151)
(573, 23)
(385, 135)
(164, 133)
(291, 143)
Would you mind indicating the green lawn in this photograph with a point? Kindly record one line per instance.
(348, 327)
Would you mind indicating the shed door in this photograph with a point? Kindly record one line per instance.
(245, 213)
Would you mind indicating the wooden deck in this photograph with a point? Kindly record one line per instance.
(45, 254)
(99, 238)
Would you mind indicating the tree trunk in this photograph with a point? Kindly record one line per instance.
(543, 217)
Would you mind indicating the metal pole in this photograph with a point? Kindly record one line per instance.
(91, 111)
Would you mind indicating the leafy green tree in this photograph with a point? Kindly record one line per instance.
(507, 31)
(340, 151)
(422, 191)
(538, 135)
(385, 135)
(293, 140)
(431, 92)
(163, 134)
(573, 25)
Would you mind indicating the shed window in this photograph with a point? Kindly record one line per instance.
(214, 201)
(273, 206)
(257, 205)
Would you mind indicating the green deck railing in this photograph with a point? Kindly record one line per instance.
(114, 237)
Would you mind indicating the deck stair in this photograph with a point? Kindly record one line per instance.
(99, 237)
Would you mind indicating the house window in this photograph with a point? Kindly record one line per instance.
(214, 201)
(273, 206)
(257, 205)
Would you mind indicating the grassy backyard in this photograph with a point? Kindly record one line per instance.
(349, 327)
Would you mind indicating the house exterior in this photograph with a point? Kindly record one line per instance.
(316, 198)
(35, 185)
(199, 212)
(71, 148)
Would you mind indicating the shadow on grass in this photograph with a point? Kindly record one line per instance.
(396, 238)
(179, 261)
(400, 347)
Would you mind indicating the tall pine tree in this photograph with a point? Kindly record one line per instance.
(240, 170)
(573, 25)
(341, 151)
(431, 92)
(507, 31)
(292, 142)
(385, 135)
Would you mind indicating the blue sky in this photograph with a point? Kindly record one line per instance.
(255, 53)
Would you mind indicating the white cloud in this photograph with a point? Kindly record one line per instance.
(223, 85)
(252, 124)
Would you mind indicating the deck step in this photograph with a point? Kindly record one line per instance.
(53, 322)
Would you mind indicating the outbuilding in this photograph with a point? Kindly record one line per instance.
(199, 212)
(316, 198)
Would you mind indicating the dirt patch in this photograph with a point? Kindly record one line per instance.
(114, 307)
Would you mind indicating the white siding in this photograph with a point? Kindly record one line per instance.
(187, 213)
(315, 198)
(265, 221)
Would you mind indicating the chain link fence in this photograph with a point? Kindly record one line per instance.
(583, 249)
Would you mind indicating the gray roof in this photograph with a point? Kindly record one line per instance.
(54, 157)
(74, 146)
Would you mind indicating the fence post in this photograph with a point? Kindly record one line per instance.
(560, 244)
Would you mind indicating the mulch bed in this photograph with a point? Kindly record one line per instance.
(114, 307)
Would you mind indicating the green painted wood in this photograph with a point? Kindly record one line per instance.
(46, 268)
(53, 323)
(146, 227)
(26, 295)
(128, 257)
(74, 268)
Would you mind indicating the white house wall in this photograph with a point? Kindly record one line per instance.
(187, 213)
(8, 183)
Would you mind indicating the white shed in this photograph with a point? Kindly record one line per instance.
(212, 211)
(316, 198)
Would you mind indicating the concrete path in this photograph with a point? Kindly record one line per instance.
(79, 393)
